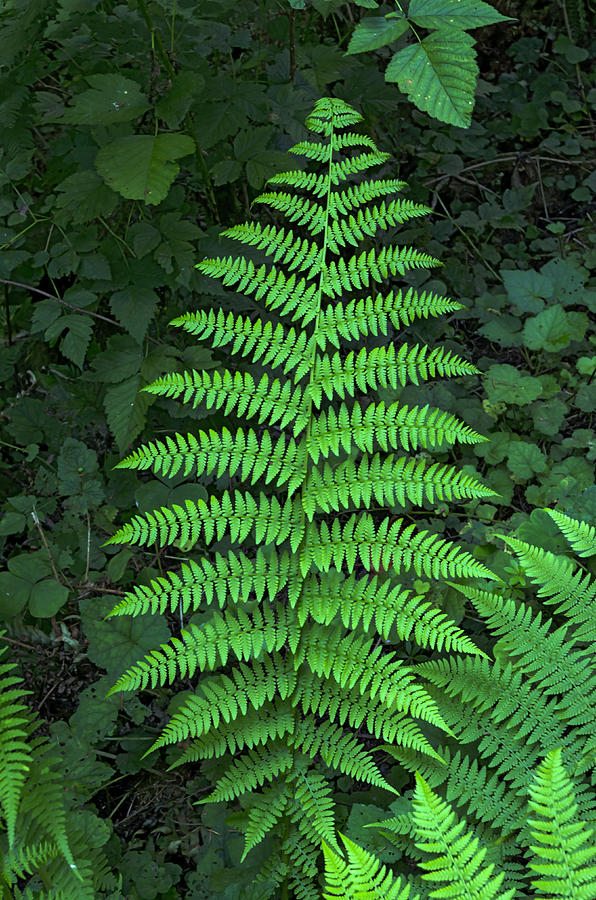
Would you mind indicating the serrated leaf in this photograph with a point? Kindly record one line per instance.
(141, 167)
(438, 75)
(76, 340)
(121, 360)
(126, 410)
(185, 87)
(112, 98)
(134, 307)
(454, 14)
(374, 32)
(549, 330)
(83, 197)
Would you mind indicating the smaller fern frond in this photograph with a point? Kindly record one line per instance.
(460, 858)
(15, 753)
(264, 812)
(564, 844)
(580, 535)
(251, 770)
(363, 876)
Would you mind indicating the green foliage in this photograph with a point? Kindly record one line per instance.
(438, 72)
(341, 677)
(458, 855)
(94, 278)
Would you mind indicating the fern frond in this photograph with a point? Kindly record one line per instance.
(357, 271)
(390, 481)
(339, 750)
(15, 753)
(564, 845)
(235, 516)
(545, 656)
(362, 877)
(580, 535)
(563, 583)
(302, 670)
(392, 427)
(314, 811)
(209, 645)
(224, 698)
(297, 253)
(353, 660)
(251, 770)
(342, 706)
(263, 814)
(360, 602)
(243, 453)
(277, 347)
(388, 545)
(255, 728)
(459, 860)
(369, 220)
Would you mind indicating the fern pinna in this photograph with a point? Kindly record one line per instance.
(305, 682)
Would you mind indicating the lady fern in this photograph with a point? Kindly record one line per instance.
(453, 856)
(304, 680)
(539, 695)
(34, 837)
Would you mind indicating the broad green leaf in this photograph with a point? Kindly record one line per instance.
(112, 98)
(527, 288)
(30, 566)
(134, 308)
(119, 361)
(76, 340)
(506, 383)
(83, 197)
(549, 416)
(462, 14)
(12, 523)
(186, 86)
(525, 459)
(141, 167)
(374, 32)
(14, 593)
(46, 598)
(125, 410)
(549, 330)
(438, 75)
(123, 640)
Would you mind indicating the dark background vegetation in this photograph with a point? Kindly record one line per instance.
(91, 276)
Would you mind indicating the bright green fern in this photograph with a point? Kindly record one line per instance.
(291, 674)
(454, 860)
(33, 828)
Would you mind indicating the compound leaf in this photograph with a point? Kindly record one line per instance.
(438, 75)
